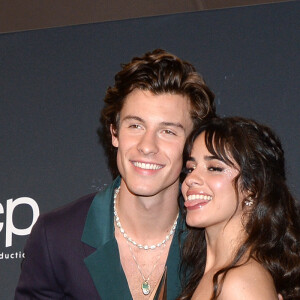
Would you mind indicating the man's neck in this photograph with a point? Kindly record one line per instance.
(147, 219)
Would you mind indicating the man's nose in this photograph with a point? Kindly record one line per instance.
(148, 143)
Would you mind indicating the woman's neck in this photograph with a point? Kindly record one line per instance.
(223, 243)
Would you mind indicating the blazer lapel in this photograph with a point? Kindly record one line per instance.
(106, 271)
(173, 262)
(104, 263)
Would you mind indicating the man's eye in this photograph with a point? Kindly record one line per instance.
(167, 131)
(135, 126)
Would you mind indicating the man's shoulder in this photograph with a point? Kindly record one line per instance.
(82, 203)
(71, 214)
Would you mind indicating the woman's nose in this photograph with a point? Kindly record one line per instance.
(194, 179)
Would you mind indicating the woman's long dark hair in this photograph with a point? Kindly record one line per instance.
(272, 224)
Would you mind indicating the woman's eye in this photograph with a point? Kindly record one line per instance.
(215, 169)
(188, 170)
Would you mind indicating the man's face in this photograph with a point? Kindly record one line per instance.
(151, 136)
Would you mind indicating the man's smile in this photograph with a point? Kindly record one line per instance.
(147, 166)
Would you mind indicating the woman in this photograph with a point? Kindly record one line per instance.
(243, 236)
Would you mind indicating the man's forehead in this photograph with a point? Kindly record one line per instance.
(162, 123)
(172, 106)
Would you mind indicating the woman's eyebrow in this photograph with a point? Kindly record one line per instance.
(211, 157)
(190, 158)
(214, 157)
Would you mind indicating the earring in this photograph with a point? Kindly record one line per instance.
(249, 201)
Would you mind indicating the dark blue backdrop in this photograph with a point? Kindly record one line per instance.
(52, 83)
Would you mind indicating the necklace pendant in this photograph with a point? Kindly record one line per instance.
(146, 287)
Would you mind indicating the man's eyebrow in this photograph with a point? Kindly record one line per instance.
(178, 125)
(131, 117)
(136, 118)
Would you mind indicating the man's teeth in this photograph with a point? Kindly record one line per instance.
(147, 166)
(201, 197)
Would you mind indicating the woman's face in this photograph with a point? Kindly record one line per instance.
(208, 190)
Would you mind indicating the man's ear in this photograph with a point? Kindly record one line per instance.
(114, 136)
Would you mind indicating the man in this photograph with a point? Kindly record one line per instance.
(122, 243)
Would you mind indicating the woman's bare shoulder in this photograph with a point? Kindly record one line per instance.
(249, 281)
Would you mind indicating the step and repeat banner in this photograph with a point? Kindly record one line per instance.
(52, 84)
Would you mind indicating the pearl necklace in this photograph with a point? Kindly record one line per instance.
(140, 246)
